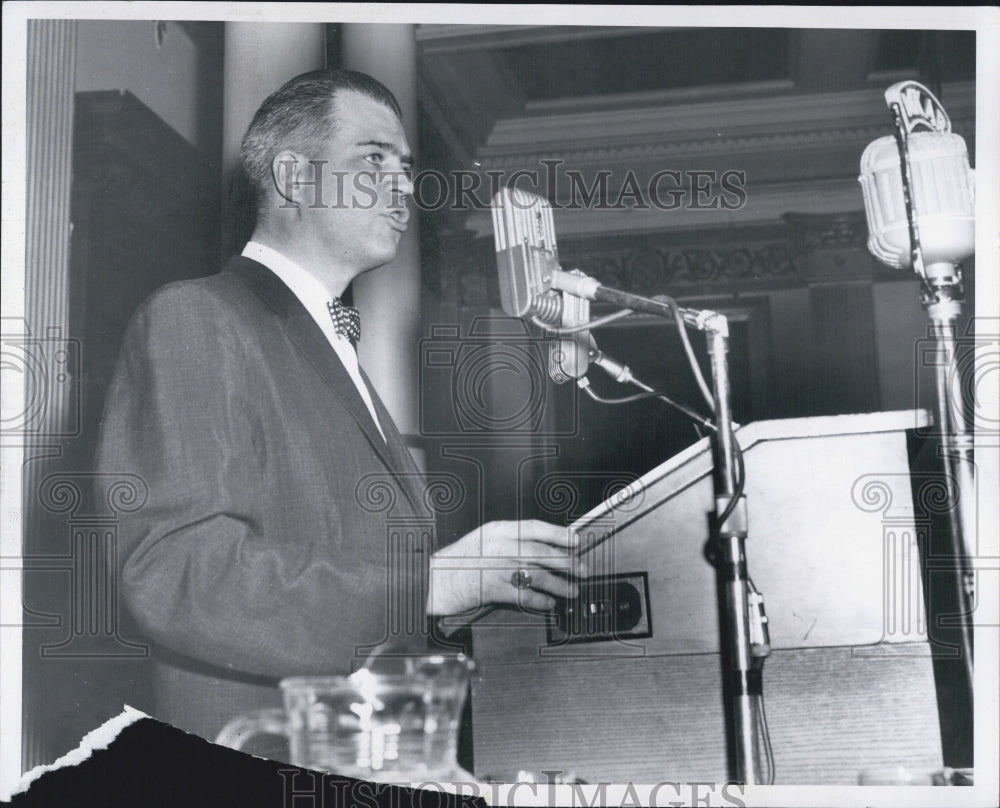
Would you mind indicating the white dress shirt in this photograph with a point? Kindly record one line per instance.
(314, 296)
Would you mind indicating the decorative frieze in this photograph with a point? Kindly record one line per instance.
(803, 250)
(654, 268)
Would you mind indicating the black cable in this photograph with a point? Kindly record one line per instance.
(766, 732)
(688, 350)
(764, 729)
(651, 393)
(576, 329)
(623, 399)
(740, 480)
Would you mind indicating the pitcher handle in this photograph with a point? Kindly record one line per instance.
(256, 722)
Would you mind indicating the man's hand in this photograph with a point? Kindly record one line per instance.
(480, 567)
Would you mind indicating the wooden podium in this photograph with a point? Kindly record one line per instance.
(832, 545)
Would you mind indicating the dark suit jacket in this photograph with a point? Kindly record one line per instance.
(282, 536)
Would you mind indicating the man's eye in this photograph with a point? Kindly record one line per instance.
(375, 158)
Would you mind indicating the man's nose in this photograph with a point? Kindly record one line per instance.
(399, 183)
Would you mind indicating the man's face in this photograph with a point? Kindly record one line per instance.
(365, 185)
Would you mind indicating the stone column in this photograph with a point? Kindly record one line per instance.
(389, 297)
(259, 58)
(40, 367)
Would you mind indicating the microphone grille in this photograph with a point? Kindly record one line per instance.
(521, 217)
(943, 199)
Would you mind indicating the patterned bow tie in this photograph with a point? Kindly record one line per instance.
(346, 319)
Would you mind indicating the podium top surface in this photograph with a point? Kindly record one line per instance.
(697, 458)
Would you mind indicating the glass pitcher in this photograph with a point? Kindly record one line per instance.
(387, 723)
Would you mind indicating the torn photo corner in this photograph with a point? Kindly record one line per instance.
(100, 738)
(134, 759)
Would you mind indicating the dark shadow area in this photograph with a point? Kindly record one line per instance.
(156, 766)
(943, 601)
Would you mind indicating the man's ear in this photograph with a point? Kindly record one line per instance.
(288, 173)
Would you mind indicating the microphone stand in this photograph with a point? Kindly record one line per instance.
(943, 307)
(731, 536)
(730, 533)
(941, 296)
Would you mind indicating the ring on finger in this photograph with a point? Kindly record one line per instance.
(521, 579)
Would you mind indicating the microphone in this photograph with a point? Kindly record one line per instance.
(920, 204)
(919, 189)
(532, 283)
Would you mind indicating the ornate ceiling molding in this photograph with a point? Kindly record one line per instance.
(718, 146)
(765, 205)
(449, 38)
(798, 154)
(678, 95)
(749, 123)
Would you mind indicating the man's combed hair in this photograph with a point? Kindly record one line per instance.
(301, 116)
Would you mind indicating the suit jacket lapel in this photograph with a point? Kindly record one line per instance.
(307, 336)
(411, 477)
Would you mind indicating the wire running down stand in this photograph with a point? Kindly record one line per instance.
(743, 621)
